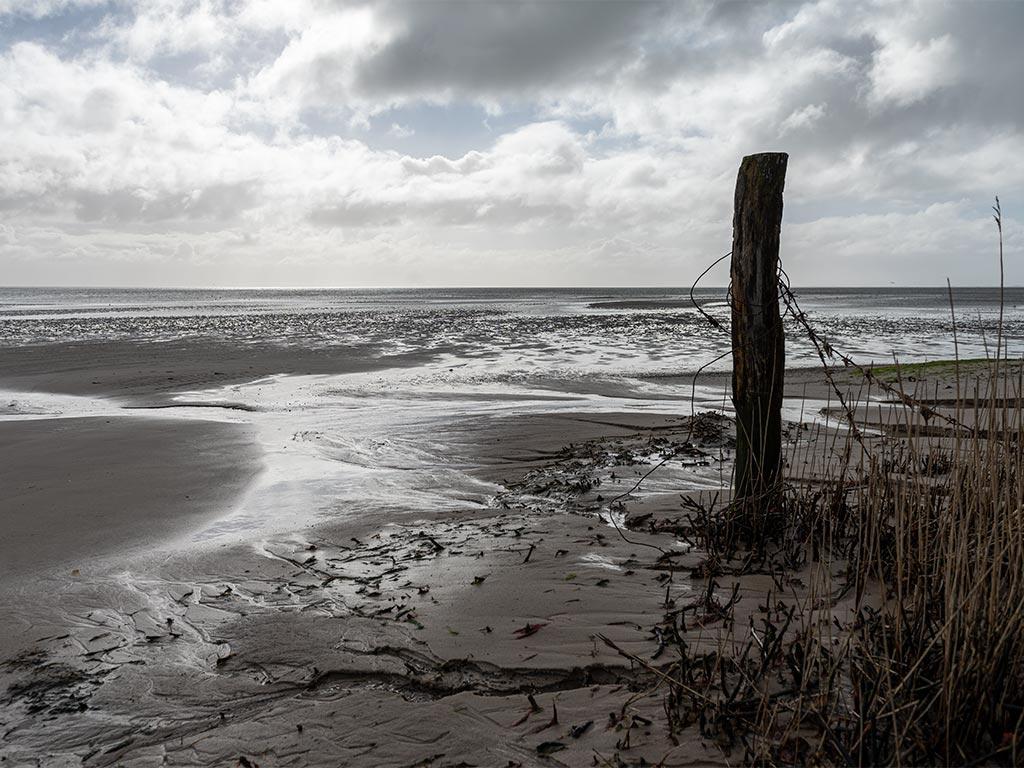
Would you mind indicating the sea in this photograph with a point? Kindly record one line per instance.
(611, 331)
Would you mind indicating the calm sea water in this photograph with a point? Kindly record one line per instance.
(614, 331)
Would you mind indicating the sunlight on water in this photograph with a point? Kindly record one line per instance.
(619, 331)
(366, 443)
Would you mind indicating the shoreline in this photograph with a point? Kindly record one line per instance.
(240, 607)
(396, 634)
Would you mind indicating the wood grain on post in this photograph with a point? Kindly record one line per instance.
(758, 345)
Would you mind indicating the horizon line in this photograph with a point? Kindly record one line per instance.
(458, 287)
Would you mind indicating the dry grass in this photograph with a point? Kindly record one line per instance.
(907, 647)
(938, 670)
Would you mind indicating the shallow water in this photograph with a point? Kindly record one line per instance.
(511, 333)
(401, 440)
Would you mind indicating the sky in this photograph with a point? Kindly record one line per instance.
(550, 143)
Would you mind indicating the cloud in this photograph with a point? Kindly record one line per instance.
(918, 248)
(218, 203)
(212, 136)
(802, 118)
(904, 72)
(401, 131)
(161, 27)
(500, 49)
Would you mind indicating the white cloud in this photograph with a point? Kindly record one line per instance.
(905, 71)
(318, 66)
(169, 27)
(401, 131)
(802, 118)
(205, 137)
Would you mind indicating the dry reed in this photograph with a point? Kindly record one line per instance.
(907, 647)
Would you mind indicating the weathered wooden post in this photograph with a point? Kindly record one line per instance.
(758, 345)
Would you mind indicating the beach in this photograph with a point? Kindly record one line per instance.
(464, 384)
(85, 487)
(287, 606)
(224, 554)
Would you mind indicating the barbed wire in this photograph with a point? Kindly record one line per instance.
(828, 355)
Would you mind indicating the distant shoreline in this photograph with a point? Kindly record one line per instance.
(356, 288)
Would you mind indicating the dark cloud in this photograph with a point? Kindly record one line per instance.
(502, 48)
(990, 56)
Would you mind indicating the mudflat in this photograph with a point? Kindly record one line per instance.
(503, 628)
(79, 488)
(146, 369)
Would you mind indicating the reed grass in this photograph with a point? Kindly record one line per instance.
(938, 668)
(907, 645)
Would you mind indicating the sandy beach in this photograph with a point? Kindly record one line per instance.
(421, 635)
(485, 618)
(81, 488)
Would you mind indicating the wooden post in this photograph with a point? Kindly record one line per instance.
(758, 345)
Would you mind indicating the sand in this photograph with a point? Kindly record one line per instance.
(139, 370)
(469, 636)
(414, 641)
(80, 488)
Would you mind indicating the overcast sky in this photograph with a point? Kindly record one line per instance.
(319, 142)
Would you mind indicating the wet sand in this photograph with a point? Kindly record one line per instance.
(150, 370)
(469, 635)
(390, 640)
(85, 496)
(80, 488)
(393, 642)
